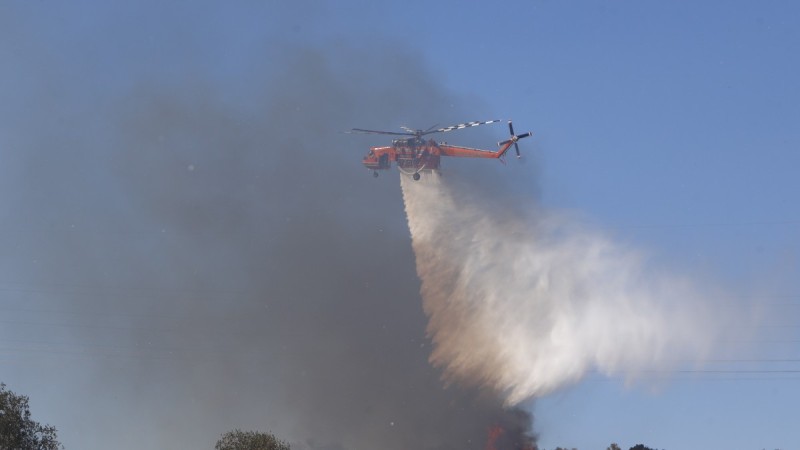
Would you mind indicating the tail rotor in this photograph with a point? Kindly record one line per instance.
(515, 138)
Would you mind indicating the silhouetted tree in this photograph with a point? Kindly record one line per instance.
(250, 440)
(613, 446)
(17, 430)
(640, 447)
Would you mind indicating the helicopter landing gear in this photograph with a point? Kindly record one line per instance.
(375, 174)
(415, 176)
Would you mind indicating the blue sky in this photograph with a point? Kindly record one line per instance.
(672, 126)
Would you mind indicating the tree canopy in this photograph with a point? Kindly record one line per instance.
(250, 440)
(17, 430)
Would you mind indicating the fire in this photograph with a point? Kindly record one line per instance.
(494, 434)
(495, 441)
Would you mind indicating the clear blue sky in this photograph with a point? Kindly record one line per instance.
(673, 126)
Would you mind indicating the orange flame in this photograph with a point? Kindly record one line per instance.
(494, 434)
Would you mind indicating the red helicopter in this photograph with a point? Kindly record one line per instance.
(413, 154)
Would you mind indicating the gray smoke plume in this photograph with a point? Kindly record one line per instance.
(526, 303)
(190, 252)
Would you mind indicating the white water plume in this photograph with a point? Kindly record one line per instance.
(528, 303)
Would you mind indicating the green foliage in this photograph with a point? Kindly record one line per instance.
(17, 430)
(250, 440)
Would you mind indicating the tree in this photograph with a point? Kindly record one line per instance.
(640, 447)
(613, 446)
(250, 440)
(17, 430)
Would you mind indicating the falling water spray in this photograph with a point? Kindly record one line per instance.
(526, 303)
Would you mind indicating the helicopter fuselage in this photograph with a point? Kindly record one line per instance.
(410, 155)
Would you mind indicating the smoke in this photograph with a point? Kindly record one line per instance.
(196, 251)
(527, 303)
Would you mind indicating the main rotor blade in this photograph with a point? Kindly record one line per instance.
(460, 126)
(410, 132)
(362, 131)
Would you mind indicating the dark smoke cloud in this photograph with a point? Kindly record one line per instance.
(210, 254)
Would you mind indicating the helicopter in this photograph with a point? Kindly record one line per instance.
(413, 154)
